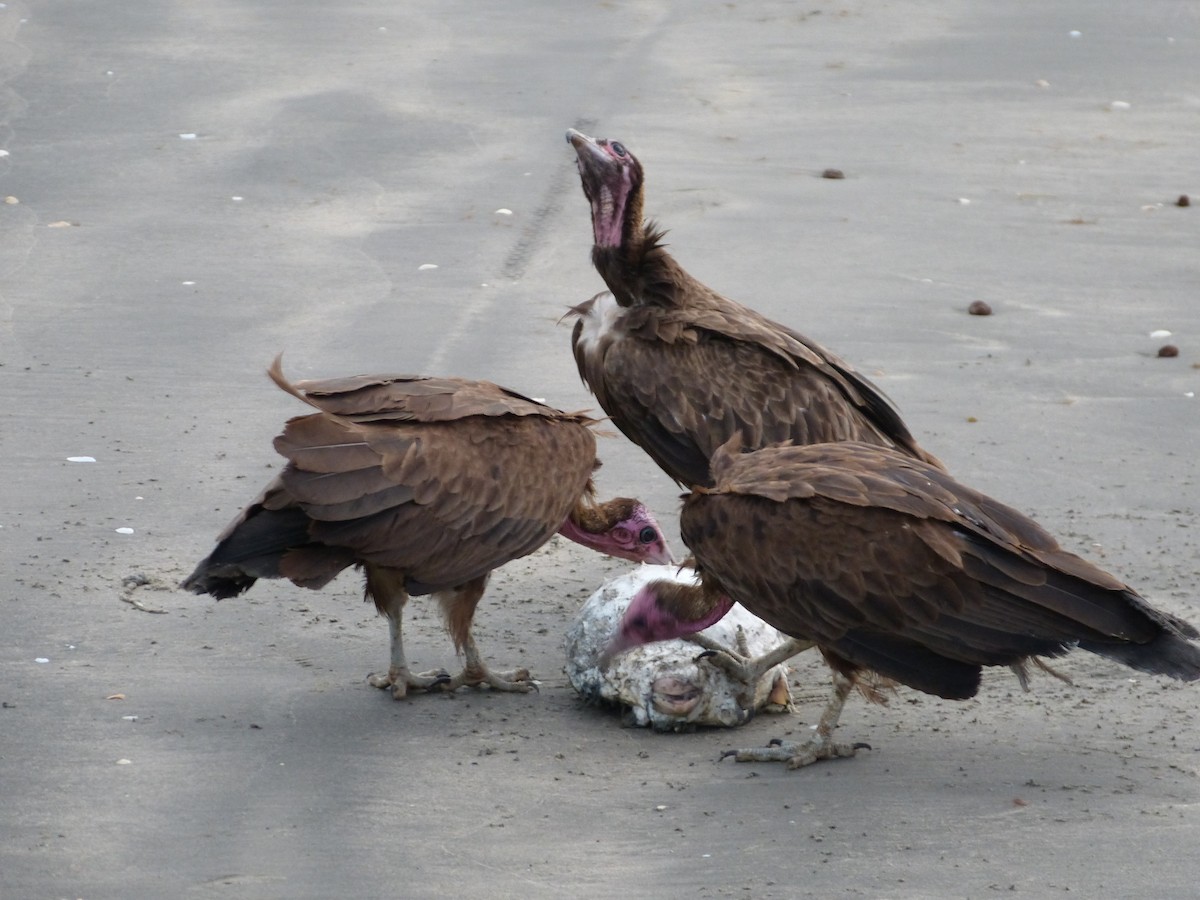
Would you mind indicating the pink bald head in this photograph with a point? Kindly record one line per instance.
(653, 615)
(634, 534)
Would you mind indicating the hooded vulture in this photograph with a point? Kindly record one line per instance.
(892, 567)
(681, 369)
(427, 485)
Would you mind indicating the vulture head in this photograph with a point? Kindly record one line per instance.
(663, 610)
(622, 528)
(612, 182)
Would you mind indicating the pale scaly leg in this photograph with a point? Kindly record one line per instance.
(458, 605)
(398, 676)
(820, 746)
(475, 674)
(386, 587)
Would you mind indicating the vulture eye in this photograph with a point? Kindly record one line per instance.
(619, 149)
(647, 535)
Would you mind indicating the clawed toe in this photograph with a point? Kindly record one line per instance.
(797, 754)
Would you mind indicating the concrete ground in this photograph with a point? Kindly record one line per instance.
(194, 187)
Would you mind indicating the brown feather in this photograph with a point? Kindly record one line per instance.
(439, 479)
(680, 368)
(889, 564)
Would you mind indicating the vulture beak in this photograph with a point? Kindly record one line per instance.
(662, 557)
(589, 150)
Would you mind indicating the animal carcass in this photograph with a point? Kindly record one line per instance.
(677, 685)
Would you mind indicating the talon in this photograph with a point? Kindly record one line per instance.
(707, 654)
(859, 745)
(775, 742)
(725, 754)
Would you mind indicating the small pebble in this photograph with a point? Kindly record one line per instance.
(979, 308)
(504, 212)
(1119, 105)
(1160, 333)
(124, 762)
(124, 531)
(1168, 350)
(81, 459)
(41, 659)
(426, 266)
(1184, 200)
(835, 174)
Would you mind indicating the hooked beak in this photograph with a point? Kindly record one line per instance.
(587, 148)
(663, 557)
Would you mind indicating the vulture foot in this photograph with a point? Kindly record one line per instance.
(747, 670)
(400, 680)
(518, 680)
(797, 754)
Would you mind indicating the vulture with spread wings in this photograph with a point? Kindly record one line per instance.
(890, 566)
(427, 485)
(681, 369)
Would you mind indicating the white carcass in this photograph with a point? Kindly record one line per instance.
(721, 676)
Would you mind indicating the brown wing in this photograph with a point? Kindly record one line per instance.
(415, 398)
(489, 476)
(443, 502)
(890, 565)
(680, 392)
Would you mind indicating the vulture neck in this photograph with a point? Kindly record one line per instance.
(639, 271)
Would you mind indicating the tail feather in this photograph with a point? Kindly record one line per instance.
(251, 550)
(1168, 654)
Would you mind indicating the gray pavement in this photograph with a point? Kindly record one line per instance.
(198, 186)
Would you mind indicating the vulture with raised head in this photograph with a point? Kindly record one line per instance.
(427, 485)
(890, 566)
(681, 369)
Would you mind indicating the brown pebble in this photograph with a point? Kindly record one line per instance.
(1184, 200)
(1168, 350)
(979, 308)
(833, 173)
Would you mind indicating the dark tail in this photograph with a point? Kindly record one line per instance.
(253, 549)
(1168, 654)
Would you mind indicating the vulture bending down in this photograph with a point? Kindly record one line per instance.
(892, 567)
(427, 484)
(681, 369)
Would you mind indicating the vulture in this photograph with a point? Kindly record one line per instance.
(681, 369)
(891, 567)
(427, 485)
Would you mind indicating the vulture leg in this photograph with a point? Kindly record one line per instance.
(745, 670)
(820, 746)
(386, 587)
(458, 605)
